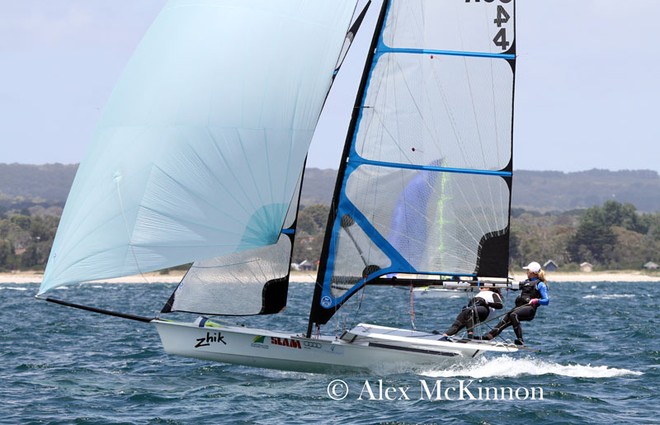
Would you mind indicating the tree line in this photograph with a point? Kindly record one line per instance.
(25, 240)
(613, 236)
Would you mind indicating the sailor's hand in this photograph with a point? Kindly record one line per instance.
(533, 301)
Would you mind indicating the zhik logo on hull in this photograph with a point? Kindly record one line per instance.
(211, 337)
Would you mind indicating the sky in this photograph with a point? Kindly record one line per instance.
(587, 81)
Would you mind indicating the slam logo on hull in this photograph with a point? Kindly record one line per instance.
(284, 342)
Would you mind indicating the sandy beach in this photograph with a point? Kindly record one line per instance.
(174, 277)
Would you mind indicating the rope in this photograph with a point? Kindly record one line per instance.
(412, 308)
(342, 322)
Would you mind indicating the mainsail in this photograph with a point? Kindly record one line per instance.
(201, 145)
(424, 185)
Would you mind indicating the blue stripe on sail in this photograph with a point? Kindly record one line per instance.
(357, 159)
(382, 49)
(347, 207)
(399, 263)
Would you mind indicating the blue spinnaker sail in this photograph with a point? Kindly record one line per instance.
(202, 142)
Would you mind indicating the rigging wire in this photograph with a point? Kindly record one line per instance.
(344, 317)
(412, 307)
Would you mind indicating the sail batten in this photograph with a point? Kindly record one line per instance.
(385, 49)
(503, 173)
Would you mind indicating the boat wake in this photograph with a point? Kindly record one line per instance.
(510, 367)
(609, 296)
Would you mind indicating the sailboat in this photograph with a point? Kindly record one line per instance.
(199, 159)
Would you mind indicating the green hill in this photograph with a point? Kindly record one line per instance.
(545, 191)
(557, 191)
(23, 186)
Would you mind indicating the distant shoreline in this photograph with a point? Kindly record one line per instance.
(175, 277)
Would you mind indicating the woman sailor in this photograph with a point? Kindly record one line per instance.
(479, 308)
(534, 292)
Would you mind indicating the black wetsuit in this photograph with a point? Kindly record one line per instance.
(475, 312)
(523, 312)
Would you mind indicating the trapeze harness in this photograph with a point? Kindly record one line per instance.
(488, 299)
(528, 290)
(523, 312)
(480, 307)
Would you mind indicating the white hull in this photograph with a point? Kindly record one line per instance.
(364, 347)
(434, 292)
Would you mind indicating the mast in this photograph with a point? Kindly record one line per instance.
(318, 288)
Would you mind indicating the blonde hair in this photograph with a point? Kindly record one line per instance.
(541, 275)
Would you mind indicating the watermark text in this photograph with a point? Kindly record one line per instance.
(431, 390)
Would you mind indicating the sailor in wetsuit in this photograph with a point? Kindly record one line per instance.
(534, 293)
(479, 308)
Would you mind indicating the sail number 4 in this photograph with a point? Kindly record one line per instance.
(501, 18)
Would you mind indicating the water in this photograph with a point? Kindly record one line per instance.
(597, 364)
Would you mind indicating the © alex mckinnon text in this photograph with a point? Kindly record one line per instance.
(434, 390)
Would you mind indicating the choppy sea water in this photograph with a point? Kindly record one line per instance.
(598, 364)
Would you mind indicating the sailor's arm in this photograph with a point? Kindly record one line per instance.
(543, 289)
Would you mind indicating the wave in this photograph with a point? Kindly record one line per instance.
(15, 288)
(609, 297)
(509, 367)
